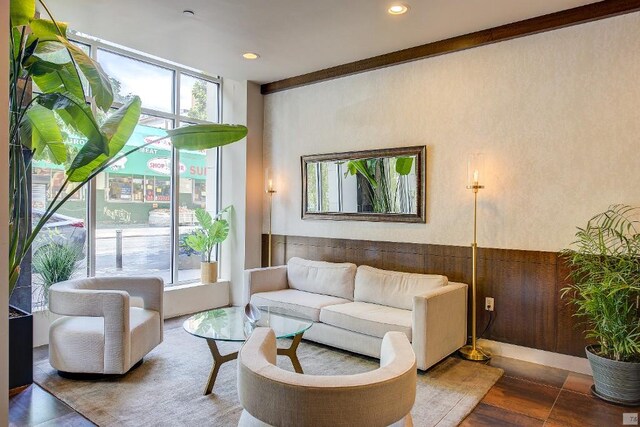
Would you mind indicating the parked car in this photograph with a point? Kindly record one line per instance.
(59, 229)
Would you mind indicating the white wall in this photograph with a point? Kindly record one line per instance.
(242, 184)
(4, 216)
(556, 115)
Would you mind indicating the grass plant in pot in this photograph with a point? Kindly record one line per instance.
(42, 126)
(212, 232)
(54, 262)
(605, 291)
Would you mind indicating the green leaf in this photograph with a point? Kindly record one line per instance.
(219, 231)
(204, 218)
(404, 165)
(77, 114)
(45, 134)
(117, 130)
(22, 11)
(51, 77)
(360, 166)
(97, 78)
(197, 241)
(202, 137)
(46, 30)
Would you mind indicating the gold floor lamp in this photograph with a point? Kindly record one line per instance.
(270, 190)
(474, 167)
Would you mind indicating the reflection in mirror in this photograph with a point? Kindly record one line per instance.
(377, 185)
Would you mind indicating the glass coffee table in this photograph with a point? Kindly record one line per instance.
(231, 324)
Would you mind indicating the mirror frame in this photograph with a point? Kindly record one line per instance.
(420, 151)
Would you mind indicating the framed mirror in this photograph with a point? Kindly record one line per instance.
(373, 185)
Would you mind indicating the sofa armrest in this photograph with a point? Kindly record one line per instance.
(439, 323)
(264, 280)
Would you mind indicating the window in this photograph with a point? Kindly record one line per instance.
(134, 199)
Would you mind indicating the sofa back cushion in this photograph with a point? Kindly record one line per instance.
(393, 288)
(327, 278)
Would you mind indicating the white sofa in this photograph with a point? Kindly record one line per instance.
(354, 307)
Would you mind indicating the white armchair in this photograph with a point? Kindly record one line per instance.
(275, 397)
(102, 332)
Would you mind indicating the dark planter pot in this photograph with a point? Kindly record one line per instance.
(20, 349)
(614, 381)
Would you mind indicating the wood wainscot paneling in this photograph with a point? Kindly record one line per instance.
(525, 284)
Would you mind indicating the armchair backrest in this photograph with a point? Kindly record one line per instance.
(380, 397)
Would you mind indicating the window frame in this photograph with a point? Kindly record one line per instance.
(94, 45)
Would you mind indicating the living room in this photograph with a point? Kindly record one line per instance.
(438, 198)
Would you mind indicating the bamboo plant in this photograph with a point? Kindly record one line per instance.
(605, 289)
(41, 53)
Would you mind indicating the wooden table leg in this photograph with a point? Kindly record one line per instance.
(291, 353)
(218, 360)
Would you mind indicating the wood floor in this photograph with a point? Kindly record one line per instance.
(536, 395)
(527, 395)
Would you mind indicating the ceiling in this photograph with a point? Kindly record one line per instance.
(293, 37)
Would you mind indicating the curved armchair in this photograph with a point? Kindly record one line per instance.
(103, 333)
(274, 397)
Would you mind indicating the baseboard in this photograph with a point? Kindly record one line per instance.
(541, 357)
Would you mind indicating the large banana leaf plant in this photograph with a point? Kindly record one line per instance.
(42, 54)
(378, 175)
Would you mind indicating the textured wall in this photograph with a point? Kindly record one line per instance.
(557, 116)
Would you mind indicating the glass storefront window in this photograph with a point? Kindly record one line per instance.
(133, 196)
(198, 98)
(129, 76)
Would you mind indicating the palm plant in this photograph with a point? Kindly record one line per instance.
(42, 54)
(605, 275)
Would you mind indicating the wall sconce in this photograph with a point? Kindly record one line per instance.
(475, 171)
(270, 189)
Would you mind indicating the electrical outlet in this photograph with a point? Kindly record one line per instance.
(488, 304)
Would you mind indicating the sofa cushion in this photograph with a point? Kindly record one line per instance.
(305, 303)
(393, 288)
(328, 278)
(369, 319)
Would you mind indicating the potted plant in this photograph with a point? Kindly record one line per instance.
(605, 291)
(54, 262)
(40, 126)
(212, 231)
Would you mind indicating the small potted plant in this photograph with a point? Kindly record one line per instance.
(212, 231)
(605, 291)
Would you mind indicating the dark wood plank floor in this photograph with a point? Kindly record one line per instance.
(536, 395)
(527, 395)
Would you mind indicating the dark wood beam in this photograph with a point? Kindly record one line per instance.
(579, 15)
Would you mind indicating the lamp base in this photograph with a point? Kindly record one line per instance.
(477, 354)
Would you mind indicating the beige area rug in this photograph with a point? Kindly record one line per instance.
(166, 390)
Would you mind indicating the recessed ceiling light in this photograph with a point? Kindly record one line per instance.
(398, 9)
(250, 55)
(188, 12)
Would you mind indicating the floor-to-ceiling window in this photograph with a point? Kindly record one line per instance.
(132, 218)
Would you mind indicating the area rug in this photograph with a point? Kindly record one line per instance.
(166, 390)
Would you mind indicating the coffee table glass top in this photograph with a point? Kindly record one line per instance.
(231, 324)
